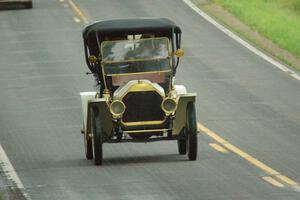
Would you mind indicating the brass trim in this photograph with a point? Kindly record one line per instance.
(105, 91)
(141, 87)
(179, 53)
(101, 46)
(107, 74)
(152, 72)
(146, 131)
(104, 75)
(169, 112)
(141, 123)
(111, 110)
(104, 79)
(135, 60)
(92, 59)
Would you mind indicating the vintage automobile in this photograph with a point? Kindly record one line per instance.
(134, 62)
(15, 4)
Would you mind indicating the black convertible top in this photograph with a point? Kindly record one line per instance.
(131, 26)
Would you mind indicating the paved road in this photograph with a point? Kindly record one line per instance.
(241, 97)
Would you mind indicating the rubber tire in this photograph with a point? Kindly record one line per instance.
(97, 137)
(88, 147)
(191, 130)
(181, 143)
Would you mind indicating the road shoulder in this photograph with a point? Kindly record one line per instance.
(7, 189)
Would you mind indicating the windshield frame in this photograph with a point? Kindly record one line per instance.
(168, 58)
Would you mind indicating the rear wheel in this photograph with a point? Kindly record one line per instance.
(191, 131)
(97, 140)
(88, 146)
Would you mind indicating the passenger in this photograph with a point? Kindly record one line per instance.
(109, 56)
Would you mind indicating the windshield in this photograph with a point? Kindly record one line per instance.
(135, 56)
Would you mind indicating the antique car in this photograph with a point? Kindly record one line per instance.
(15, 4)
(134, 63)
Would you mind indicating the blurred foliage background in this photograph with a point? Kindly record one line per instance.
(278, 20)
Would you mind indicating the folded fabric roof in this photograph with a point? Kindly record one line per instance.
(131, 26)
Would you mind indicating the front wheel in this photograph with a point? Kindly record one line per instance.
(97, 137)
(191, 130)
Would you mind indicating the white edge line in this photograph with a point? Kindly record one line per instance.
(10, 172)
(76, 19)
(241, 41)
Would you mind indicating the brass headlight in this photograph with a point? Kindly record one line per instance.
(117, 108)
(169, 105)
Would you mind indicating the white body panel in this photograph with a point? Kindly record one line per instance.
(180, 89)
(85, 98)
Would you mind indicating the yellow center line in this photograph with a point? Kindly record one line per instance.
(78, 12)
(286, 180)
(218, 148)
(247, 157)
(272, 181)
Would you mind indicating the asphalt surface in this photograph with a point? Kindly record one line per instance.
(241, 97)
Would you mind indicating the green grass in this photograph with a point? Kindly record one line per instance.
(278, 20)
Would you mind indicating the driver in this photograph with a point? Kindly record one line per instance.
(98, 76)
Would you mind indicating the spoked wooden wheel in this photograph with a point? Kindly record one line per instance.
(97, 140)
(88, 146)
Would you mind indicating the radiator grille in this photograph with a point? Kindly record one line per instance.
(143, 106)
